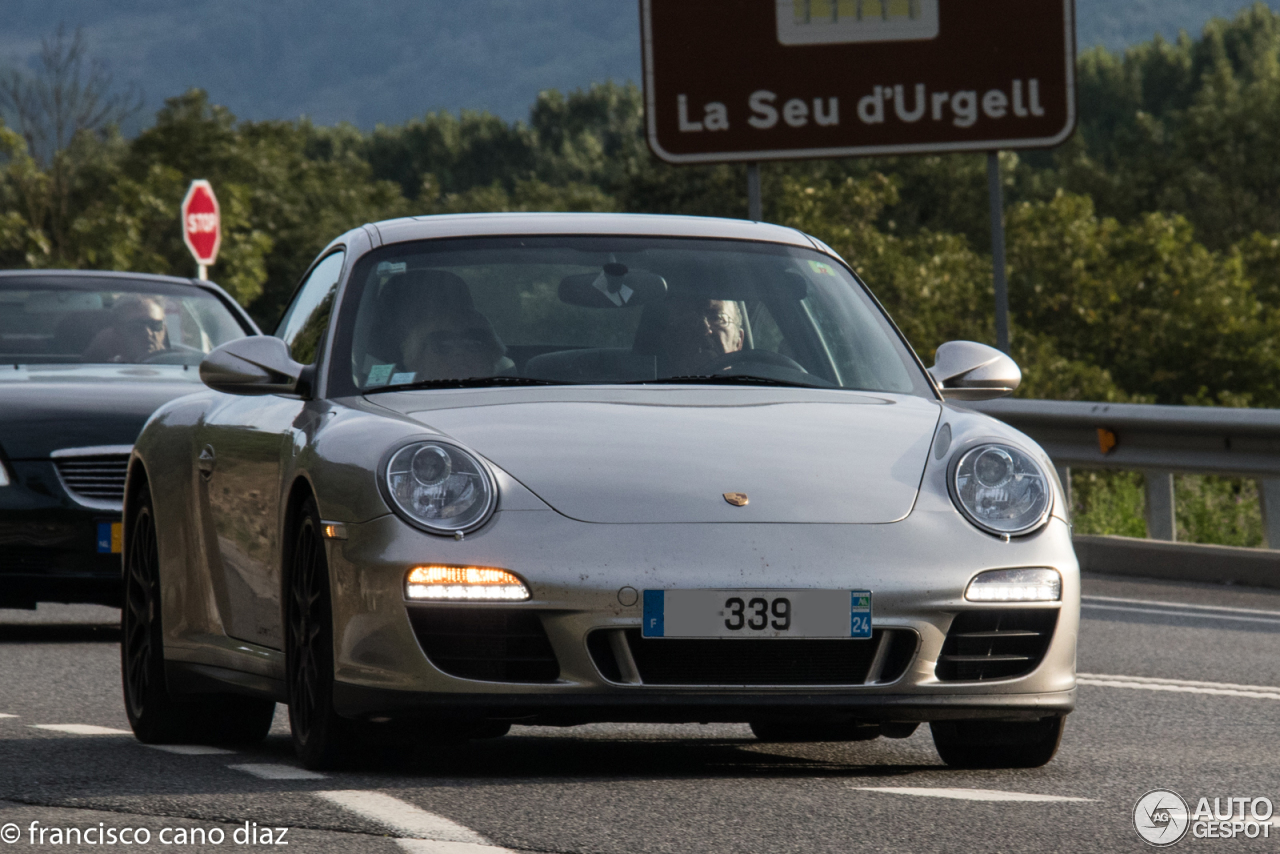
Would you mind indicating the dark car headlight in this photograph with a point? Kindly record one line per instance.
(440, 487)
(1002, 490)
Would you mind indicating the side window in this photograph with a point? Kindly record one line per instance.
(304, 324)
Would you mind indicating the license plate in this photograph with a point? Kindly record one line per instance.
(757, 614)
(110, 538)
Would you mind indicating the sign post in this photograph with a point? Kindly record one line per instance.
(790, 79)
(996, 192)
(202, 225)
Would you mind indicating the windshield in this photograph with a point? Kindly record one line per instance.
(99, 320)
(499, 311)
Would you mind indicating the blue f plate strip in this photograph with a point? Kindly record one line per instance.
(104, 538)
(860, 614)
(654, 601)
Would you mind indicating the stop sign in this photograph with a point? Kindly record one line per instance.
(202, 223)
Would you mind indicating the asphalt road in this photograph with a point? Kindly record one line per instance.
(1180, 689)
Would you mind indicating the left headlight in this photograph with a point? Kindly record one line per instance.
(440, 487)
(1002, 490)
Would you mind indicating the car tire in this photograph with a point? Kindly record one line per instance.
(998, 744)
(321, 738)
(783, 731)
(155, 716)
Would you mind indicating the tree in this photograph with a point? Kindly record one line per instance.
(67, 113)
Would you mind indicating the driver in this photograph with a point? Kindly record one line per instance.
(699, 334)
(137, 331)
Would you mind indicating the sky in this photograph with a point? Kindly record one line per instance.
(385, 61)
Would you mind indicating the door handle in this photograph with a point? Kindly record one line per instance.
(206, 461)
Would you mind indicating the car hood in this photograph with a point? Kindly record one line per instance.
(668, 455)
(47, 407)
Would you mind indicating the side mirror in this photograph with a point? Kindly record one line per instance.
(967, 370)
(259, 364)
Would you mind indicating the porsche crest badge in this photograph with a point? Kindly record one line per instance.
(737, 499)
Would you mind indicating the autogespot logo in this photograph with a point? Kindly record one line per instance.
(1161, 817)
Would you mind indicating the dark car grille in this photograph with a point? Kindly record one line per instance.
(759, 661)
(996, 644)
(99, 478)
(490, 644)
(23, 559)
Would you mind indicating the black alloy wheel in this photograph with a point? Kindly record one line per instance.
(146, 701)
(321, 738)
(998, 744)
(155, 716)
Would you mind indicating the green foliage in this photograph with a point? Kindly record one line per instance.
(1220, 510)
(1108, 503)
(1217, 510)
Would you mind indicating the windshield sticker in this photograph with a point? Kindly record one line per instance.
(613, 289)
(403, 377)
(391, 268)
(378, 375)
(821, 269)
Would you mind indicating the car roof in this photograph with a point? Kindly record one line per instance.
(99, 274)
(644, 225)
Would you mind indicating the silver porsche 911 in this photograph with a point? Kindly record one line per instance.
(559, 469)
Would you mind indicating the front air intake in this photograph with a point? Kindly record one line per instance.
(753, 661)
(488, 644)
(996, 644)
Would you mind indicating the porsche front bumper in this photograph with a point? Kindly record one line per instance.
(917, 570)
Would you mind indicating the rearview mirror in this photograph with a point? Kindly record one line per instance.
(259, 364)
(967, 370)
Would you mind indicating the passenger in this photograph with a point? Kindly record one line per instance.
(454, 344)
(699, 333)
(137, 331)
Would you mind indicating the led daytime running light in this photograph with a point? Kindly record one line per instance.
(464, 583)
(1015, 585)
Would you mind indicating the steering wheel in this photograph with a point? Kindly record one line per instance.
(177, 354)
(743, 359)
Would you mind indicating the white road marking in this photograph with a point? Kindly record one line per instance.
(189, 749)
(430, 833)
(3, 715)
(82, 729)
(436, 846)
(1192, 615)
(973, 794)
(1150, 603)
(266, 771)
(1182, 686)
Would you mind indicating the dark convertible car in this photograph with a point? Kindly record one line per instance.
(85, 358)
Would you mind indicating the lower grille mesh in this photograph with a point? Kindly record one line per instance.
(97, 478)
(489, 644)
(996, 644)
(765, 661)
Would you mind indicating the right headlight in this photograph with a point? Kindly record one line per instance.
(1002, 490)
(440, 487)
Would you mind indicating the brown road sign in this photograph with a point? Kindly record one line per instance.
(776, 79)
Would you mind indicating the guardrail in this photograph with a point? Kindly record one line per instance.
(1158, 441)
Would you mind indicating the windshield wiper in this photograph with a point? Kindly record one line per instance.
(727, 379)
(470, 382)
